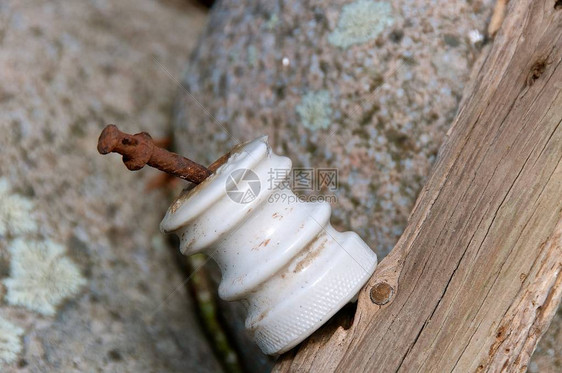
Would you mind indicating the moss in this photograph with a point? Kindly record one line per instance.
(207, 310)
(361, 21)
(315, 110)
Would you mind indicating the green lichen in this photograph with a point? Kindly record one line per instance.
(41, 277)
(360, 22)
(315, 110)
(252, 56)
(10, 342)
(272, 22)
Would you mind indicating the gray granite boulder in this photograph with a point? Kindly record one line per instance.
(87, 282)
(367, 87)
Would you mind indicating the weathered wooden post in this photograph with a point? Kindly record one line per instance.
(477, 274)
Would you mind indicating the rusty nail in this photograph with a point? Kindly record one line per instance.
(381, 293)
(139, 150)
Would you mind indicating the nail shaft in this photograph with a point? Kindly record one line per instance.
(139, 150)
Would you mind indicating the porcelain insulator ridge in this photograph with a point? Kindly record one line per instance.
(279, 255)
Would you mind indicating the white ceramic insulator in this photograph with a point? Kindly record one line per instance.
(277, 254)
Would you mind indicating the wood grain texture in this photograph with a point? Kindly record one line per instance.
(478, 270)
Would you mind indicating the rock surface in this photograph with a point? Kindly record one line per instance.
(87, 282)
(547, 357)
(367, 87)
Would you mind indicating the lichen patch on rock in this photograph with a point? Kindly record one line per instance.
(84, 65)
(41, 277)
(361, 21)
(392, 97)
(10, 342)
(315, 110)
(15, 212)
